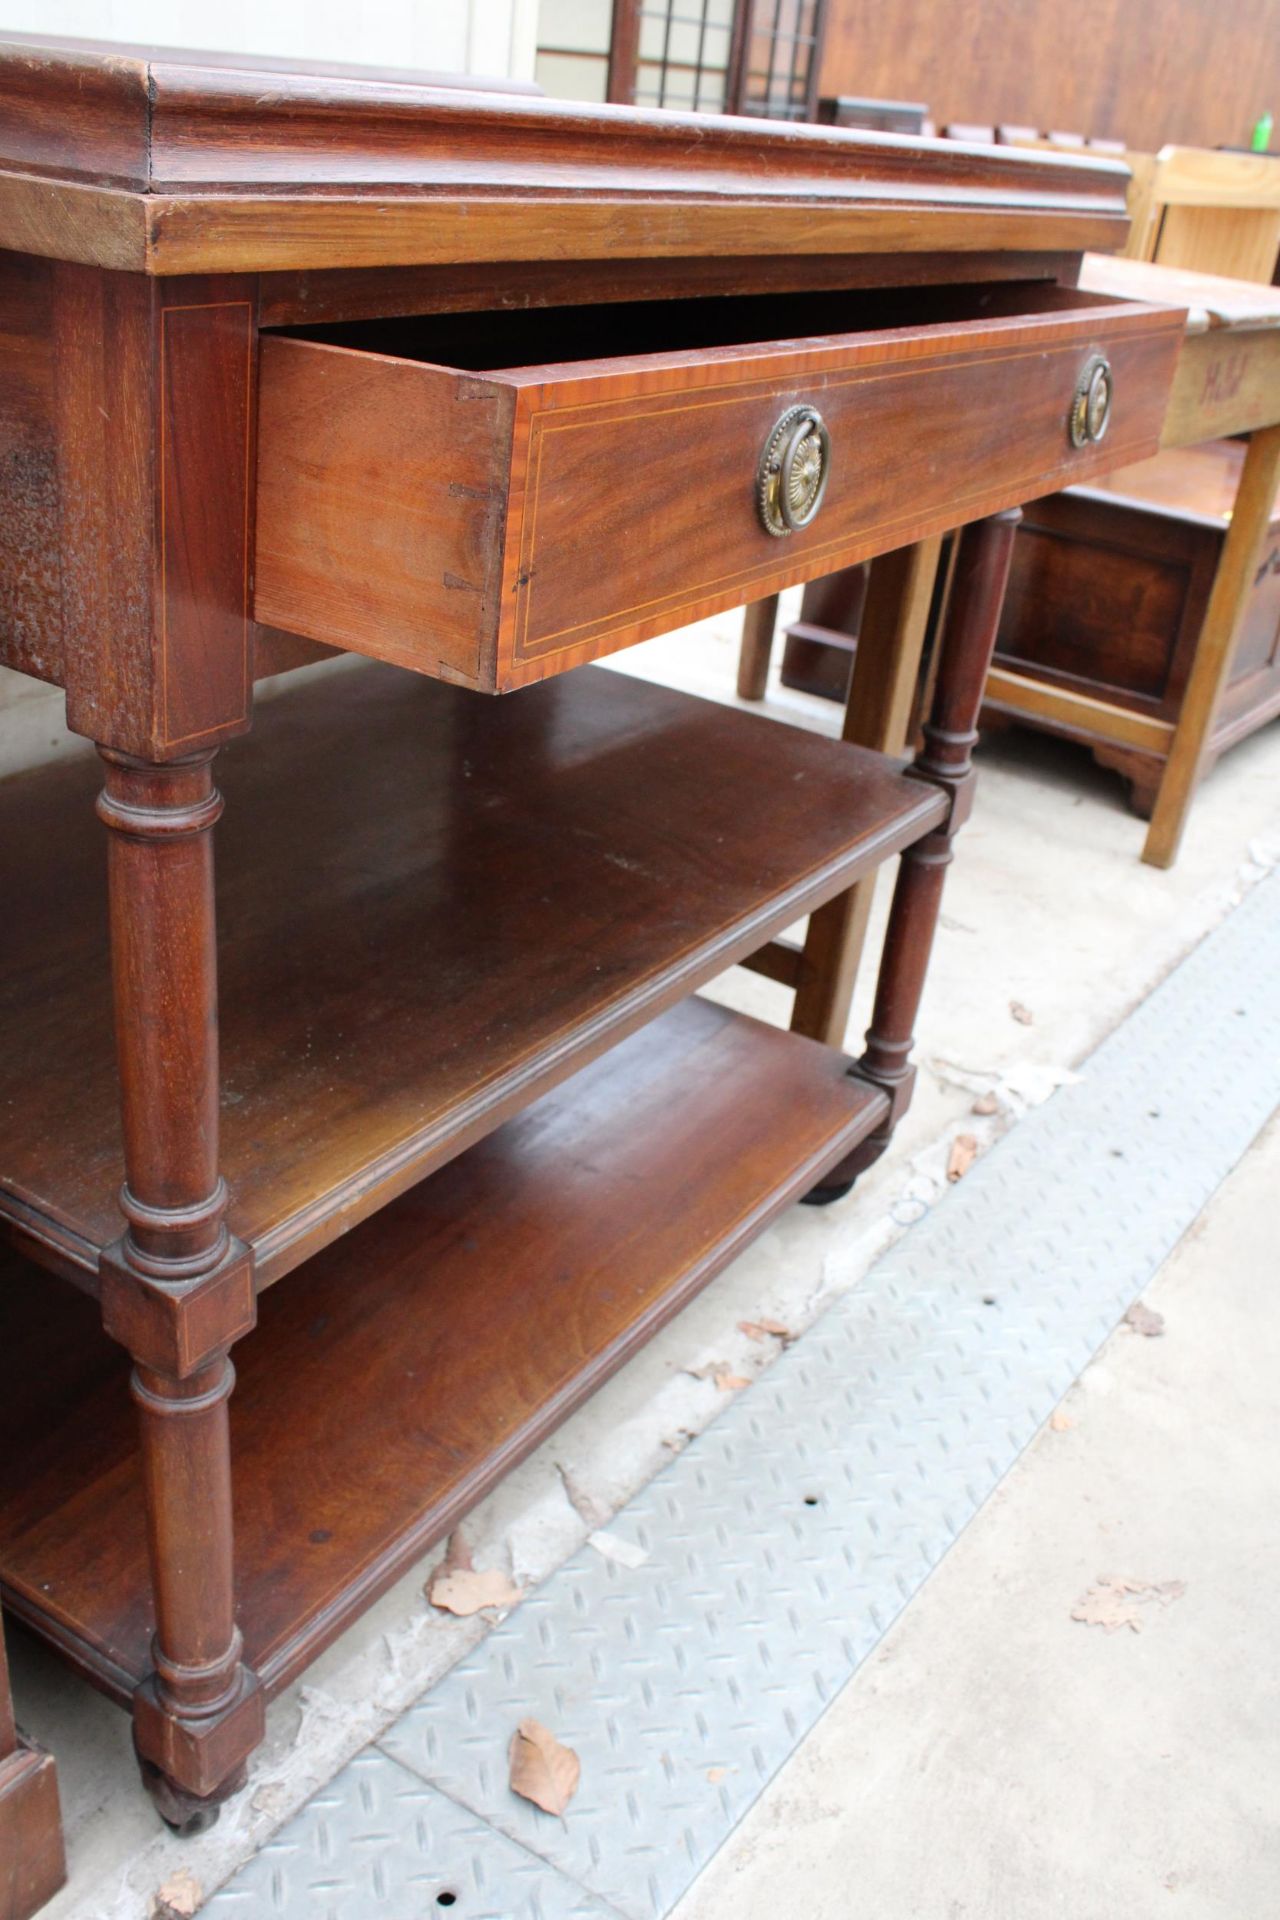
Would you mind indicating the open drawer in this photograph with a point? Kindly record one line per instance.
(425, 499)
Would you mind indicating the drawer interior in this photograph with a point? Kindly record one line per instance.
(502, 340)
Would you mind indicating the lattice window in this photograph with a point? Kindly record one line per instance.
(710, 56)
(780, 65)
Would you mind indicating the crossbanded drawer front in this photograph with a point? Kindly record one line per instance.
(494, 527)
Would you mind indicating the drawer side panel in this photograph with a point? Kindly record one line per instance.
(382, 496)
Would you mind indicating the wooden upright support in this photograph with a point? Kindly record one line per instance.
(758, 623)
(1250, 519)
(177, 1290)
(32, 1862)
(945, 760)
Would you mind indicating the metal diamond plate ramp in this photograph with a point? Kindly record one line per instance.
(787, 1537)
(379, 1842)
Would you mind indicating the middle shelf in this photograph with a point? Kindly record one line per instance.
(432, 907)
(404, 1370)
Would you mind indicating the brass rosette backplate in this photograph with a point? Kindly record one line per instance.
(1090, 413)
(793, 471)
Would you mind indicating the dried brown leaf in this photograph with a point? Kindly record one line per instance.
(542, 1768)
(1145, 1320)
(726, 1382)
(986, 1103)
(964, 1151)
(1108, 1608)
(765, 1330)
(1023, 1015)
(464, 1591)
(1061, 1421)
(1115, 1602)
(178, 1898)
(716, 1774)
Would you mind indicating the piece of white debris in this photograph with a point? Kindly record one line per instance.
(614, 1547)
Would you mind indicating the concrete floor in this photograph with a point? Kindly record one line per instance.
(996, 1759)
(1047, 906)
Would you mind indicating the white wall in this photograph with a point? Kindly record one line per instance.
(491, 37)
(449, 36)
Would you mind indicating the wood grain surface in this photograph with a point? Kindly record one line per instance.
(1189, 70)
(174, 165)
(325, 295)
(1108, 599)
(1211, 300)
(1197, 483)
(32, 1857)
(431, 907)
(360, 545)
(464, 1323)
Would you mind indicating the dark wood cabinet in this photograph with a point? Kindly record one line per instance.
(31, 1850)
(484, 388)
(1107, 597)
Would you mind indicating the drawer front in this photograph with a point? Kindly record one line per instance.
(499, 528)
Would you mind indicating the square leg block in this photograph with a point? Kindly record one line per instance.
(199, 1756)
(31, 1850)
(177, 1328)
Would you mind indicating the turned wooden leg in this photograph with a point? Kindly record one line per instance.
(177, 1289)
(758, 623)
(32, 1861)
(945, 760)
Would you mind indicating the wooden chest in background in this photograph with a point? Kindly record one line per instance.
(1107, 595)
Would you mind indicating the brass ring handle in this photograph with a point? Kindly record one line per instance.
(794, 467)
(1090, 413)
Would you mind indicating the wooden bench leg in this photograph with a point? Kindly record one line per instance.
(945, 760)
(32, 1862)
(758, 623)
(1212, 664)
(878, 715)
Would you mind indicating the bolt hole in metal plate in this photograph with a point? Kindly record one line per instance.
(793, 472)
(1090, 413)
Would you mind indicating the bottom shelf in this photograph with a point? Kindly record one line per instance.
(400, 1373)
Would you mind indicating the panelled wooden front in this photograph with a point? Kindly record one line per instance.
(621, 494)
(1107, 597)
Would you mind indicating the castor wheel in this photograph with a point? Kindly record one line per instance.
(198, 1822)
(824, 1196)
(185, 1814)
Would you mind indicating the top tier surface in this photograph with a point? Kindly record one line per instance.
(167, 162)
(1213, 303)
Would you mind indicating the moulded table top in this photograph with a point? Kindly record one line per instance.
(168, 162)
